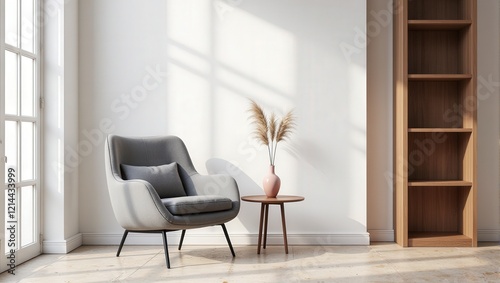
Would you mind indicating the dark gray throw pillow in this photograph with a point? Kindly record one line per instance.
(164, 178)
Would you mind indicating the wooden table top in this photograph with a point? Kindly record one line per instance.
(278, 199)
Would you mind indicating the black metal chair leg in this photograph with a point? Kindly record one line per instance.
(228, 240)
(122, 242)
(165, 247)
(182, 239)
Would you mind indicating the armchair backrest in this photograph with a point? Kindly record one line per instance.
(150, 151)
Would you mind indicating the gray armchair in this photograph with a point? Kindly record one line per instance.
(154, 188)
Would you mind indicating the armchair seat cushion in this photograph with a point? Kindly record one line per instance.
(197, 204)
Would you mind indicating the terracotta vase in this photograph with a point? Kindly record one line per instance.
(271, 183)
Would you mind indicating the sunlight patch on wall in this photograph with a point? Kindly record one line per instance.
(188, 23)
(189, 59)
(257, 51)
(187, 101)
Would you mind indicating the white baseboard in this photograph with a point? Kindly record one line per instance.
(62, 247)
(236, 239)
(488, 235)
(66, 246)
(381, 235)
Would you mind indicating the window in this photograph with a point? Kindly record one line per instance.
(20, 57)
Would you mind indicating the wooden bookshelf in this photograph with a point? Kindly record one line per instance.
(439, 77)
(440, 130)
(444, 183)
(435, 178)
(438, 24)
(439, 239)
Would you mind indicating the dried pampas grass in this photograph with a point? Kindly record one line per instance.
(270, 131)
(260, 121)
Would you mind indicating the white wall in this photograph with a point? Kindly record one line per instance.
(379, 113)
(187, 68)
(60, 118)
(213, 67)
(488, 118)
(380, 221)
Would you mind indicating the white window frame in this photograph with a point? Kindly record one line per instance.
(29, 251)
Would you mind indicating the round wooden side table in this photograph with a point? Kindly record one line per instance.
(264, 211)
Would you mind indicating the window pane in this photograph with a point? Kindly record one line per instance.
(27, 86)
(27, 215)
(27, 25)
(11, 22)
(11, 85)
(27, 150)
(11, 147)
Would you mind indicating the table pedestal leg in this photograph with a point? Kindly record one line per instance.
(266, 214)
(260, 227)
(284, 226)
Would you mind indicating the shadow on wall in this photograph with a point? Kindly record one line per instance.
(246, 185)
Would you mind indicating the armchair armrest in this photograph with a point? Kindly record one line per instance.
(137, 205)
(217, 184)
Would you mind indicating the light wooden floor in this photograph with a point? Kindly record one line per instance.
(383, 262)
